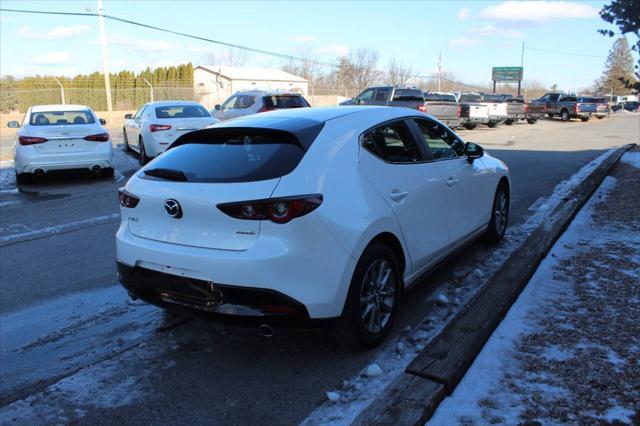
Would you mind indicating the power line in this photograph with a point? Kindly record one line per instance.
(140, 24)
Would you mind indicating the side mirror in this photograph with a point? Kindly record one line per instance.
(103, 121)
(473, 151)
(128, 116)
(217, 107)
(13, 124)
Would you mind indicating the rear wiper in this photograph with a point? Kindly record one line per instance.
(168, 174)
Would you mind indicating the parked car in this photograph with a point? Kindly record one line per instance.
(567, 106)
(602, 107)
(394, 96)
(627, 106)
(255, 101)
(61, 137)
(444, 107)
(518, 109)
(472, 110)
(497, 108)
(155, 126)
(309, 215)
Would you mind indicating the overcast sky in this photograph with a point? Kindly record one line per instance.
(561, 38)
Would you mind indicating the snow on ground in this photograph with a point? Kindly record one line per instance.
(567, 351)
(358, 392)
(7, 177)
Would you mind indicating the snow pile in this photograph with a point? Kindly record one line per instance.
(360, 391)
(7, 177)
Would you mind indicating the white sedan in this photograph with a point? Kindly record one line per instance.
(61, 137)
(307, 214)
(157, 124)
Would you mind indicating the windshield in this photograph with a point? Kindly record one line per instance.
(470, 97)
(229, 155)
(182, 111)
(56, 118)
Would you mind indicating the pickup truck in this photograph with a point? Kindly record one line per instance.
(444, 107)
(602, 107)
(568, 106)
(518, 109)
(497, 109)
(390, 96)
(472, 110)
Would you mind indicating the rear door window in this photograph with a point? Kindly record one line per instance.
(238, 102)
(392, 142)
(230, 155)
(57, 118)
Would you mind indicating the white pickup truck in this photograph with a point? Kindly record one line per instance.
(497, 109)
(472, 110)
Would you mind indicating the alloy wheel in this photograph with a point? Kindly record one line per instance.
(377, 295)
(501, 212)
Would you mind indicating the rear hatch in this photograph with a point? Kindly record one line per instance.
(202, 170)
(65, 131)
(176, 120)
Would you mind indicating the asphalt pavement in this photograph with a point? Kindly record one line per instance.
(90, 355)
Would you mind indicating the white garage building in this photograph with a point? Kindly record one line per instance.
(214, 84)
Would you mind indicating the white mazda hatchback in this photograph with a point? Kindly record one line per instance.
(61, 137)
(311, 214)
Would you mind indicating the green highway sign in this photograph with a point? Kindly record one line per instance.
(506, 73)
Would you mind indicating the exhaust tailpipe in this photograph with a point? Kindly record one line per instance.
(39, 172)
(265, 330)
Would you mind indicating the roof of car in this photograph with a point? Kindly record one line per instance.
(169, 103)
(320, 114)
(45, 108)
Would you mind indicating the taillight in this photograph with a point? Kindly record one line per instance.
(546, 108)
(158, 127)
(422, 108)
(459, 111)
(127, 199)
(100, 137)
(575, 107)
(278, 210)
(30, 140)
(526, 108)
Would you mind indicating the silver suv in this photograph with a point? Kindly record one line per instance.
(254, 101)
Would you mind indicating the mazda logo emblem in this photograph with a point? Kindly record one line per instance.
(173, 208)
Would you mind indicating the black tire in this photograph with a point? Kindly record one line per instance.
(470, 126)
(125, 140)
(499, 215)
(24, 178)
(549, 115)
(143, 153)
(107, 172)
(532, 120)
(564, 115)
(508, 122)
(355, 328)
(584, 119)
(600, 117)
(492, 124)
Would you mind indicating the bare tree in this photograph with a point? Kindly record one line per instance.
(398, 74)
(305, 69)
(359, 69)
(232, 58)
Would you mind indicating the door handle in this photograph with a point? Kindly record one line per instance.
(398, 195)
(452, 181)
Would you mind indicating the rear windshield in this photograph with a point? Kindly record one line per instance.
(408, 95)
(470, 97)
(284, 101)
(586, 100)
(181, 111)
(439, 97)
(493, 98)
(232, 155)
(52, 118)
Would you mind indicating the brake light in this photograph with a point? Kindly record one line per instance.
(100, 137)
(30, 140)
(546, 108)
(526, 108)
(278, 210)
(422, 108)
(575, 107)
(459, 111)
(127, 199)
(158, 127)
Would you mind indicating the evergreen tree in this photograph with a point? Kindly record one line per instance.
(618, 69)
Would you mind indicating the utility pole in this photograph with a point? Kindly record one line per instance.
(105, 56)
(439, 71)
(61, 90)
(522, 67)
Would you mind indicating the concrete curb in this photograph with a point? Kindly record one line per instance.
(414, 396)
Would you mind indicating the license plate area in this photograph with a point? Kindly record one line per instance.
(180, 289)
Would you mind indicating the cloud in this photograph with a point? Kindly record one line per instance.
(50, 58)
(538, 11)
(56, 33)
(464, 41)
(301, 38)
(464, 13)
(493, 31)
(333, 50)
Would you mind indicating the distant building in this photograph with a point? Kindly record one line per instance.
(214, 84)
